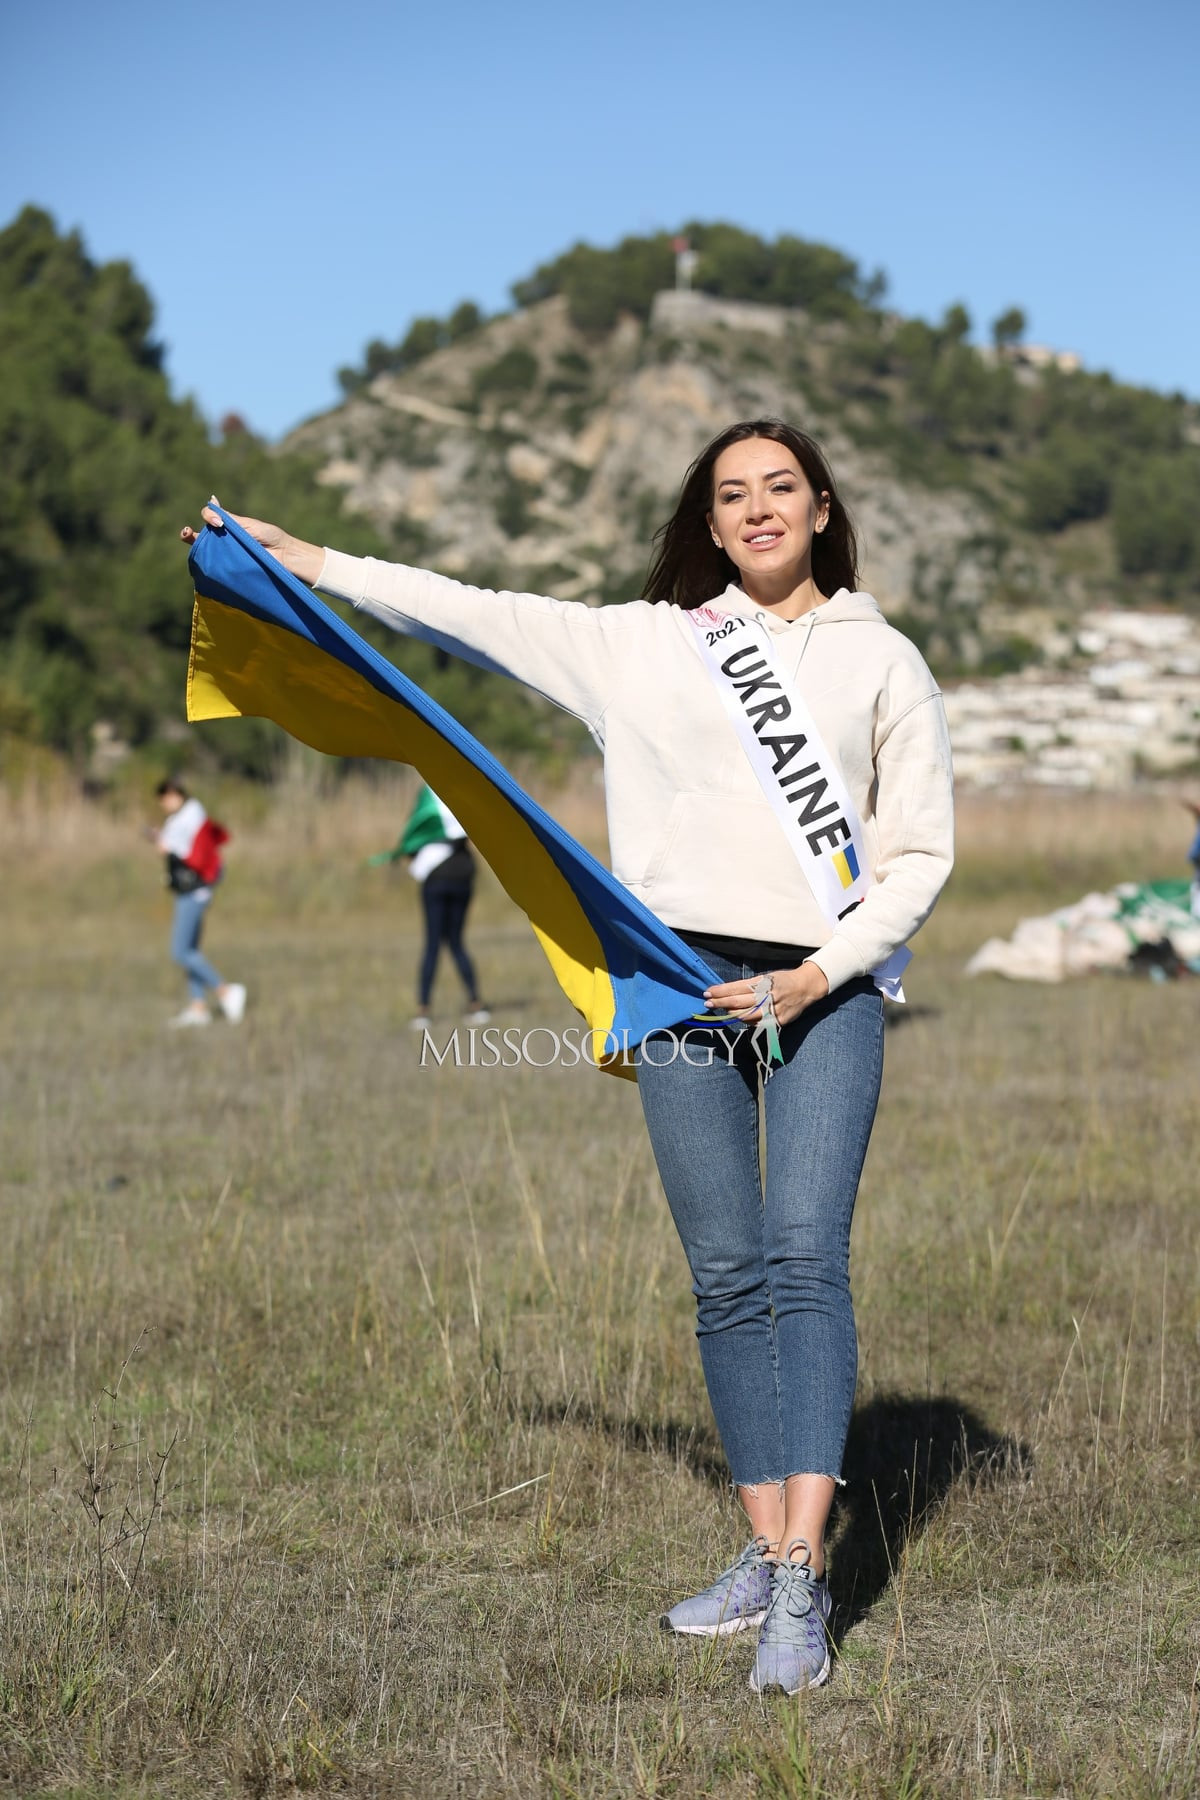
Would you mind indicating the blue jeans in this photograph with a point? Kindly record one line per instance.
(770, 1261)
(186, 927)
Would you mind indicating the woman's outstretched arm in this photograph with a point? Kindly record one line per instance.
(564, 650)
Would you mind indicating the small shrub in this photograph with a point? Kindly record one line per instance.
(512, 508)
(513, 373)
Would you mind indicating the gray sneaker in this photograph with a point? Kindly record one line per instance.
(793, 1645)
(736, 1601)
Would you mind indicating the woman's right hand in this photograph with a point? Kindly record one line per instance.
(301, 559)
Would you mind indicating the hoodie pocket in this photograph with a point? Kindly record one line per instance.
(725, 849)
(663, 848)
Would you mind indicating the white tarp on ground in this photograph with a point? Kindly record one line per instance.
(1101, 931)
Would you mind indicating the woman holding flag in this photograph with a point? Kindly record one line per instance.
(778, 783)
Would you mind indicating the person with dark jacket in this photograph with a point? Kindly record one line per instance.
(440, 859)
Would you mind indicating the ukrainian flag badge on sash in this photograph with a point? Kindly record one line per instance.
(846, 864)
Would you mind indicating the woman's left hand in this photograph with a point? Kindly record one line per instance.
(304, 560)
(792, 990)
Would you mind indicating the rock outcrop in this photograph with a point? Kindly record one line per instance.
(1131, 711)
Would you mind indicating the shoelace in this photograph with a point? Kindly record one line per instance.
(793, 1585)
(749, 1560)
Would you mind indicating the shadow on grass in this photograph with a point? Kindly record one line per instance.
(902, 1458)
(692, 1447)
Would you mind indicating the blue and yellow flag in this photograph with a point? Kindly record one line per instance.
(264, 646)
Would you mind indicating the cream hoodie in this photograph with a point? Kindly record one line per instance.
(690, 830)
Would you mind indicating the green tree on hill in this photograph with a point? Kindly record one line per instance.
(602, 284)
(1009, 328)
(423, 337)
(98, 468)
(733, 264)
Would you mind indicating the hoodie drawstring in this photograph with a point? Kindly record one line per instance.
(812, 619)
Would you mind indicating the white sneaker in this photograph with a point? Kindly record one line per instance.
(479, 1016)
(191, 1015)
(421, 1023)
(233, 1001)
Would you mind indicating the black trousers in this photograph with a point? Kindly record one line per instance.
(446, 904)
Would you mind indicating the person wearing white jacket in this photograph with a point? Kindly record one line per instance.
(736, 779)
(190, 844)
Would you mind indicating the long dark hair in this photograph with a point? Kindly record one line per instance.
(687, 567)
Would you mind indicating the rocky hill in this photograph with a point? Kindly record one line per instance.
(535, 454)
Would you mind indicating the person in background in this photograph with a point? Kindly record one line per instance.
(440, 860)
(190, 843)
(1193, 807)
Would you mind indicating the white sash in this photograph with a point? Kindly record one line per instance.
(795, 771)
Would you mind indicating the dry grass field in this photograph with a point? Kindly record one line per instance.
(352, 1433)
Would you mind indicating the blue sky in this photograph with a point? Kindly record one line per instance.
(292, 180)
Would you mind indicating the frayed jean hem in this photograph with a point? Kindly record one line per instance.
(781, 1481)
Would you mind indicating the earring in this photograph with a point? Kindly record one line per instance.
(717, 541)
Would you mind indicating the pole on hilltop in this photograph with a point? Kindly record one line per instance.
(685, 263)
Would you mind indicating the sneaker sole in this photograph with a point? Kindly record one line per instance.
(727, 1627)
